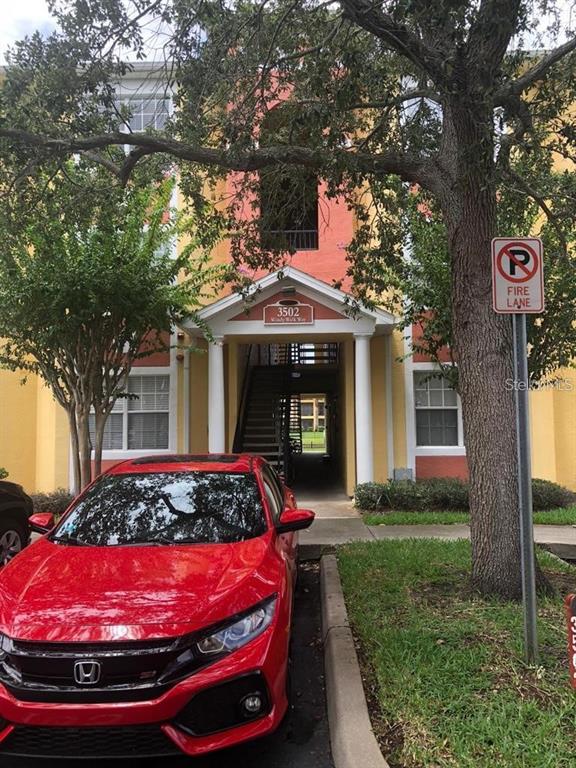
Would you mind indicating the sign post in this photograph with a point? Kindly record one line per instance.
(518, 289)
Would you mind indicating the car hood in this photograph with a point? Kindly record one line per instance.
(58, 593)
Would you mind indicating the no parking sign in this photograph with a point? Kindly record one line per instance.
(517, 275)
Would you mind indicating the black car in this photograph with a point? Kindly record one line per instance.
(15, 509)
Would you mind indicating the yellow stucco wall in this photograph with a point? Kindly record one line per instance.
(565, 432)
(347, 434)
(18, 428)
(52, 443)
(380, 426)
(399, 401)
(199, 399)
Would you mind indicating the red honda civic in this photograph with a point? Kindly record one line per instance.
(155, 617)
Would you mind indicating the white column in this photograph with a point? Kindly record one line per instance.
(216, 409)
(363, 407)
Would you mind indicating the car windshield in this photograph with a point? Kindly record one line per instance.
(166, 508)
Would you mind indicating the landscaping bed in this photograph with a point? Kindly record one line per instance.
(443, 668)
(445, 501)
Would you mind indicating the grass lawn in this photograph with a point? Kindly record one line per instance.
(565, 516)
(313, 441)
(443, 668)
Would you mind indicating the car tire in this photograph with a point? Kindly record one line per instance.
(14, 537)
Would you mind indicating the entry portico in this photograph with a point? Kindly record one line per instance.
(290, 307)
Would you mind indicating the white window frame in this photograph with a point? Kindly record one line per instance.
(436, 450)
(124, 99)
(132, 453)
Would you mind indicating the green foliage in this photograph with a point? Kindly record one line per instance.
(444, 494)
(548, 495)
(89, 283)
(3, 473)
(56, 502)
(445, 667)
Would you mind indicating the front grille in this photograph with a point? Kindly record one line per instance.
(134, 671)
(130, 741)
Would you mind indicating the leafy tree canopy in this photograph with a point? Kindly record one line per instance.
(445, 94)
(89, 283)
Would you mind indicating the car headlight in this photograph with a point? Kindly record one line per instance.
(240, 631)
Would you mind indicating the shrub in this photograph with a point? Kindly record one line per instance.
(55, 502)
(446, 493)
(3, 473)
(547, 495)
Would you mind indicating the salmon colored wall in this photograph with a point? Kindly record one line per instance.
(335, 230)
(441, 466)
(443, 355)
(158, 358)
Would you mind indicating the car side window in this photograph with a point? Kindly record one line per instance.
(272, 498)
(275, 486)
(276, 483)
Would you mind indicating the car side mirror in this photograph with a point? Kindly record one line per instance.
(294, 520)
(41, 522)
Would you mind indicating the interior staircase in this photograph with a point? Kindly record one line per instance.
(269, 422)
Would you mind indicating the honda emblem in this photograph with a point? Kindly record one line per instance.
(87, 672)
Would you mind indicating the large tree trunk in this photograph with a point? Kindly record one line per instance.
(483, 346)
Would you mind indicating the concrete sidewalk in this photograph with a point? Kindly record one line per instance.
(326, 532)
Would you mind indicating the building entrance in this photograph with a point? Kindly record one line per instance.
(289, 409)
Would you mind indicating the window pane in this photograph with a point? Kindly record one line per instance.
(436, 397)
(437, 427)
(153, 393)
(450, 396)
(147, 430)
(112, 440)
(145, 112)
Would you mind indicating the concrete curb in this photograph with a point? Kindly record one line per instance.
(351, 737)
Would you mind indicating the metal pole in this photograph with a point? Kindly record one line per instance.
(525, 488)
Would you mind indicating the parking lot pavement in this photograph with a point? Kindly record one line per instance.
(302, 741)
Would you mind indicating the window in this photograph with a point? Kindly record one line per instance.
(145, 111)
(288, 196)
(436, 410)
(273, 495)
(141, 422)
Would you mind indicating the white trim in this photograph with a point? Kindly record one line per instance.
(302, 280)
(132, 453)
(409, 397)
(439, 450)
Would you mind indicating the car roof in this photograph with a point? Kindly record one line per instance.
(209, 462)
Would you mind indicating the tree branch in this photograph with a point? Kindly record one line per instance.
(491, 31)
(537, 72)
(370, 17)
(542, 204)
(408, 168)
